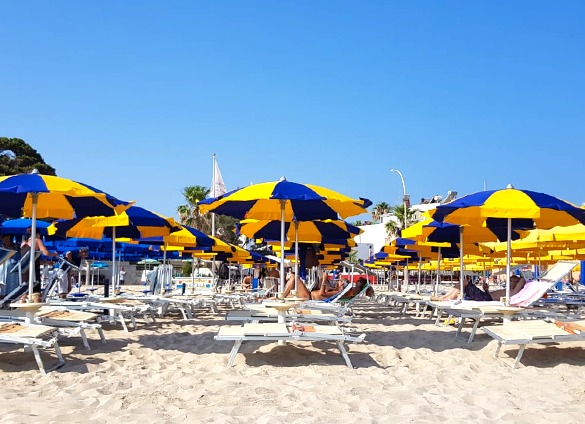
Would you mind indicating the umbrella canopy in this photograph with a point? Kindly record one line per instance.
(188, 237)
(21, 226)
(303, 231)
(527, 210)
(47, 196)
(284, 201)
(54, 197)
(510, 209)
(304, 202)
(133, 223)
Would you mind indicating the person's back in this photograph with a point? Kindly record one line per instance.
(247, 282)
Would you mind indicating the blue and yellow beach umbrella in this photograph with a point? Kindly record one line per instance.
(302, 231)
(303, 202)
(54, 197)
(285, 201)
(134, 223)
(46, 196)
(510, 209)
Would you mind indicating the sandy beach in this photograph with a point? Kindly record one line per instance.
(407, 370)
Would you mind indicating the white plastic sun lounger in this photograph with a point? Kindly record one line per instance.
(530, 293)
(66, 322)
(298, 315)
(32, 336)
(71, 322)
(535, 289)
(526, 332)
(273, 332)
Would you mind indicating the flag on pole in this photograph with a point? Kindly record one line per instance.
(217, 184)
(217, 189)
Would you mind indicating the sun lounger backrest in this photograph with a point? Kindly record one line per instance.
(24, 262)
(558, 271)
(534, 290)
(6, 254)
(338, 296)
(349, 301)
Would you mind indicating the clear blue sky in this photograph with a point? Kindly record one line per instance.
(134, 97)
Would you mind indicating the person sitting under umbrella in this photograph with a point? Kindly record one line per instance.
(325, 290)
(25, 247)
(472, 292)
(64, 274)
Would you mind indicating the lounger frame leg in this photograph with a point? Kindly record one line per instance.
(38, 358)
(234, 352)
(119, 317)
(101, 333)
(473, 329)
(133, 321)
(343, 352)
(439, 314)
(519, 356)
(460, 326)
(84, 338)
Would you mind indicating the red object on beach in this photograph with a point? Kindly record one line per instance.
(353, 278)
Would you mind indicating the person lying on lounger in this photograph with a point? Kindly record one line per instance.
(472, 292)
(324, 291)
(359, 286)
(516, 284)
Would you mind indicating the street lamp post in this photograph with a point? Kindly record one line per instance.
(405, 202)
(404, 195)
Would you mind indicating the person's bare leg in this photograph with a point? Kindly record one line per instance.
(302, 291)
(497, 294)
(289, 285)
(452, 294)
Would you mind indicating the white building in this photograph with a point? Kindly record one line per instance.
(375, 235)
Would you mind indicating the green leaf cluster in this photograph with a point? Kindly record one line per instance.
(18, 157)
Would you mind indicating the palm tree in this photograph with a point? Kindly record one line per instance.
(393, 227)
(189, 214)
(225, 228)
(379, 210)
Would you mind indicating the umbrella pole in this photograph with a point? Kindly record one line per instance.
(461, 270)
(114, 273)
(508, 255)
(33, 244)
(167, 278)
(406, 277)
(282, 202)
(419, 272)
(436, 291)
(297, 253)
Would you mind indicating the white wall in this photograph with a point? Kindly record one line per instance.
(373, 234)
